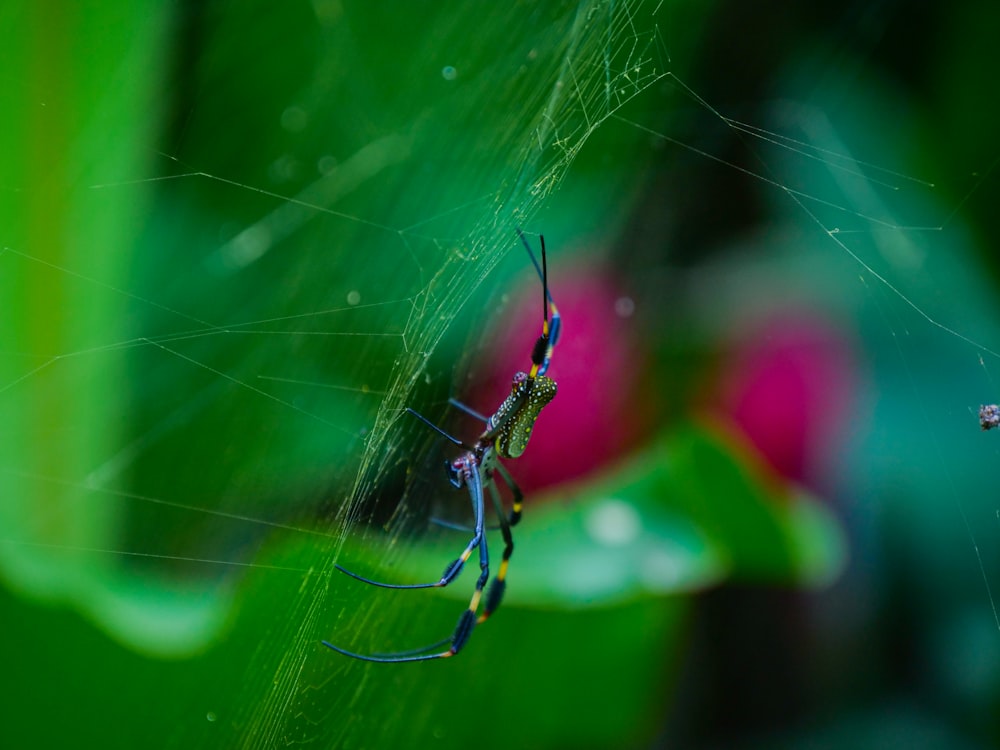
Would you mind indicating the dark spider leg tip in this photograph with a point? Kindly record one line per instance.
(466, 622)
(468, 410)
(390, 659)
(531, 253)
(380, 584)
(539, 351)
(413, 651)
(463, 630)
(438, 430)
(451, 572)
(493, 598)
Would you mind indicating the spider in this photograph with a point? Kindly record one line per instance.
(505, 435)
(989, 416)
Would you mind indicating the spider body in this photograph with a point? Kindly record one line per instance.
(506, 435)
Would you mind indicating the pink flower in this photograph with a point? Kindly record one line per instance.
(790, 384)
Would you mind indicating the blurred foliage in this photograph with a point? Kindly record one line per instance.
(239, 238)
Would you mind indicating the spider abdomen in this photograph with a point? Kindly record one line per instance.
(529, 397)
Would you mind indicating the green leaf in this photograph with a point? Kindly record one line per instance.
(770, 529)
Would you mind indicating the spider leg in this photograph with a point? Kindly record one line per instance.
(443, 433)
(551, 329)
(496, 591)
(462, 631)
(518, 500)
(475, 483)
(444, 523)
(447, 577)
(414, 651)
(467, 620)
(468, 410)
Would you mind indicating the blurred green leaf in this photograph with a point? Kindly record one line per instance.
(770, 530)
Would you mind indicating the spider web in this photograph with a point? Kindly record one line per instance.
(209, 393)
(304, 314)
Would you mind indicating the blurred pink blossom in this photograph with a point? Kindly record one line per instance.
(790, 383)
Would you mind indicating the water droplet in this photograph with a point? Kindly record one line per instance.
(624, 307)
(326, 164)
(613, 523)
(294, 119)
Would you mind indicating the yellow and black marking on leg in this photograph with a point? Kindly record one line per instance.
(463, 629)
(540, 351)
(517, 501)
(453, 569)
(496, 591)
(515, 511)
(494, 594)
(541, 355)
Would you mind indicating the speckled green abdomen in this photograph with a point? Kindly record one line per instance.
(515, 432)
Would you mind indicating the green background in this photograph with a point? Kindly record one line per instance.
(193, 200)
